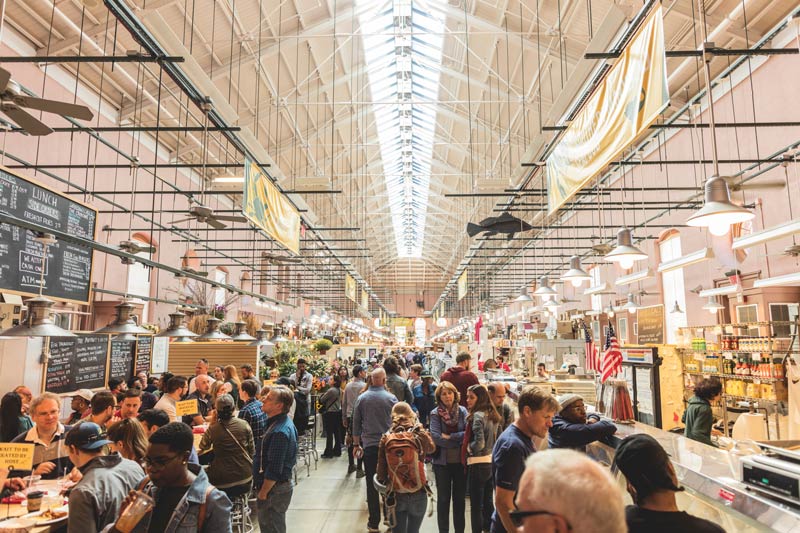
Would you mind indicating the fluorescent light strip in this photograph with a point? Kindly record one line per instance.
(778, 281)
(759, 237)
(596, 289)
(686, 260)
(636, 276)
(229, 179)
(719, 291)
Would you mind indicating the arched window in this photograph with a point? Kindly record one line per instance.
(669, 248)
(139, 276)
(220, 275)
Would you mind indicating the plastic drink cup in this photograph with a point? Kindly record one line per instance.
(35, 500)
(133, 514)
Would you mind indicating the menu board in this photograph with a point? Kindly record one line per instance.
(160, 355)
(76, 363)
(68, 268)
(651, 324)
(122, 354)
(144, 349)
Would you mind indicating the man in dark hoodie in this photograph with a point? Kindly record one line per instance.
(572, 428)
(461, 376)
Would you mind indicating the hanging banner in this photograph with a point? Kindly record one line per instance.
(628, 100)
(269, 209)
(462, 285)
(350, 287)
(364, 299)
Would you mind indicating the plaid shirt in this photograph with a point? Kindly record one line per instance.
(252, 414)
(276, 455)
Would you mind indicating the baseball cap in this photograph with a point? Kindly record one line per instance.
(86, 436)
(644, 463)
(565, 400)
(86, 394)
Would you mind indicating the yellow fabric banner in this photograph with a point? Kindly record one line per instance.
(350, 287)
(628, 100)
(269, 209)
(462, 285)
(364, 299)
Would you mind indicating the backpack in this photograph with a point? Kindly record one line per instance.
(406, 470)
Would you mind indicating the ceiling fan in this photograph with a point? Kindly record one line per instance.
(602, 248)
(789, 251)
(202, 213)
(735, 186)
(643, 292)
(190, 270)
(135, 247)
(13, 100)
(565, 300)
(274, 259)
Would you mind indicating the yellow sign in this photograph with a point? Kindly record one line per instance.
(350, 287)
(628, 100)
(16, 456)
(364, 299)
(269, 209)
(462, 285)
(650, 324)
(187, 407)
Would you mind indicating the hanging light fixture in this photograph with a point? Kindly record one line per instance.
(123, 323)
(240, 332)
(676, 308)
(523, 296)
(212, 331)
(631, 306)
(261, 338)
(576, 275)
(544, 290)
(314, 318)
(550, 305)
(713, 306)
(625, 253)
(609, 311)
(176, 328)
(37, 321)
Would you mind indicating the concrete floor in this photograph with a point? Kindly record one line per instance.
(330, 501)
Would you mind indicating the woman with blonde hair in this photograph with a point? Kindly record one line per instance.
(232, 379)
(128, 439)
(404, 510)
(484, 425)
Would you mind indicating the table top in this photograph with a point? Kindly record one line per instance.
(16, 509)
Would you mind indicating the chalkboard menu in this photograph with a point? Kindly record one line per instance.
(122, 354)
(144, 349)
(68, 268)
(651, 324)
(76, 363)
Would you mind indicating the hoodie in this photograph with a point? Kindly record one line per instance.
(698, 419)
(566, 434)
(462, 379)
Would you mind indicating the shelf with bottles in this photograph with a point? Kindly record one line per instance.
(748, 398)
(744, 365)
(735, 376)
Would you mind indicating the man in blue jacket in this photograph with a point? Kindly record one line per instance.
(572, 428)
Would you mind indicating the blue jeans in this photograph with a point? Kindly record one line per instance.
(410, 511)
(272, 511)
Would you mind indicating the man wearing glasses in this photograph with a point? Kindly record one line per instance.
(564, 491)
(572, 428)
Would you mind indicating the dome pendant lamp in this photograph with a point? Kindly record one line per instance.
(718, 212)
(576, 275)
(625, 253)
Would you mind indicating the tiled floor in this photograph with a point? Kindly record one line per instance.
(330, 501)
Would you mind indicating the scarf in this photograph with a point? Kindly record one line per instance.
(449, 420)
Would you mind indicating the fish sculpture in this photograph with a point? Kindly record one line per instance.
(505, 223)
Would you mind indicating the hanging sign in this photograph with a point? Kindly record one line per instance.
(651, 324)
(186, 407)
(350, 287)
(364, 299)
(269, 209)
(462, 285)
(628, 100)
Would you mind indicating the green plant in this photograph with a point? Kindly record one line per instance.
(286, 355)
(227, 328)
(321, 345)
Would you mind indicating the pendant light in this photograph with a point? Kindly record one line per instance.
(718, 212)
(123, 322)
(625, 253)
(212, 331)
(544, 289)
(523, 296)
(314, 318)
(176, 329)
(631, 306)
(609, 311)
(713, 306)
(240, 332)
(576, 275)
(261, 338)
(676, 308)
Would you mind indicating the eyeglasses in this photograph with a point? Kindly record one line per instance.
(518, 517)
(159, 462)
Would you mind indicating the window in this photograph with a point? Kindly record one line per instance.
(597, 300)
(673, 287)
(748, 313)
(420, 327)
(783, 313)
(220, 276)
(139, 279)
(622, 330)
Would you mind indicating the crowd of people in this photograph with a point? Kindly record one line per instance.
(390, 415)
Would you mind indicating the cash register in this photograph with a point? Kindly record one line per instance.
(776, 472)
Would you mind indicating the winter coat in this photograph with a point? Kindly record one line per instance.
(698, 419)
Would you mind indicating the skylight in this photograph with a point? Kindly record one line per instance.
(403, 54)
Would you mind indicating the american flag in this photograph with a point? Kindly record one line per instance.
(612, 359)
(592, 358)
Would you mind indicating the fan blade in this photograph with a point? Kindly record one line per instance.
(182, 220)
(26, 121)
(5, 77)
(231, 218)
(214, 223)
(759, 185)
(54, 106)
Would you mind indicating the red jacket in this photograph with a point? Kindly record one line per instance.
(462, 379)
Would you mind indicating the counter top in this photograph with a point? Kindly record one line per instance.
(710, 472)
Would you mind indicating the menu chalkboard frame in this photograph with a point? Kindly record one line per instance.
(46, 366)
(109, 357)
(38, 183)
(149, 356)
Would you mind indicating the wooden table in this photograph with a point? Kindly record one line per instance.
(16, 509)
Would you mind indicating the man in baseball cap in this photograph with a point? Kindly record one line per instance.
(652, 483)
(107, 479)
(572, 428)
(81, 406)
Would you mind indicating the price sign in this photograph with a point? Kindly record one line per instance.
(187, 407)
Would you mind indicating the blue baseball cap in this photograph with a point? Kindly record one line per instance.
(86, 436)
